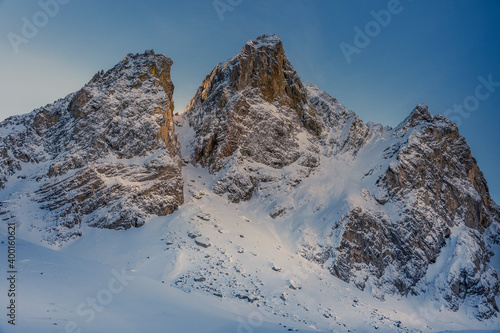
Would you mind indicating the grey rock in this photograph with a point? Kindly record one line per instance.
(106, 156)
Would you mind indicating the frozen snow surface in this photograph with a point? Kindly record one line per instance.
(170, 283)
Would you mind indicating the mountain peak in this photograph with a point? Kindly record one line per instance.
(420, 114)
(251, 108)
(138, 68)
(268, 41)
(263, 65)
(119, 126)
(394, 212)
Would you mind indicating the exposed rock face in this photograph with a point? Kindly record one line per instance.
(259, 128)
(106, 155)
(419, 187)
(253, 108)
(344, 132)
(426, 194)
(392, 200)
(394, 211)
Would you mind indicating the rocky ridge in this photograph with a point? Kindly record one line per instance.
(428, 193)
(106, 156)
(403, 211)
(399, 195)
(251, 112)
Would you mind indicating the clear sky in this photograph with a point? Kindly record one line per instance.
(442, 53)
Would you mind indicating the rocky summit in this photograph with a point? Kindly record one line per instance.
(252, 119)
(105, 156)
(399, 212)
(394, 196)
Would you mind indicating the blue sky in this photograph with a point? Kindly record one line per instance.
(432, 52)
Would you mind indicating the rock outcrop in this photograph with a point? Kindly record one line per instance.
(252, 112)
(402, 211)
(106, 156)
(392, 201)
(421, 194)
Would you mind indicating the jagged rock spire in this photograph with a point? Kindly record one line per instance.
(252, 107)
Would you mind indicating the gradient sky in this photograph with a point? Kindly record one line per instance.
(430, 52)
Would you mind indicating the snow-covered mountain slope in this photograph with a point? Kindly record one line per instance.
(395, 205)
(286, 213)
(383, 202)
(106, 155)
(252, 119)
(211, 266)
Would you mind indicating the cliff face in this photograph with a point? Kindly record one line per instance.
(412, 195)
(401, 211)
(235, 129)
(106, 156)
(391, 201)
(428, 196)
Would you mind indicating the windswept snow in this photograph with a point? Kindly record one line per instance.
(174, 285)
